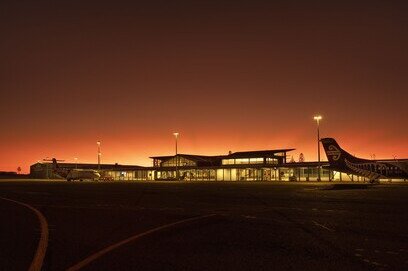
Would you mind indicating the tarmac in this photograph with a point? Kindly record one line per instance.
(57, 225)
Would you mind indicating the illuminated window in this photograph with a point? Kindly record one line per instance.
(256, 160)
(181, 162)
(271, 160)
(228, 161)
(242, 161)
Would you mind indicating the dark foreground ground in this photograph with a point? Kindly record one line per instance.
(256, 226)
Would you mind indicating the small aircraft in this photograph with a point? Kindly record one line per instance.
(342, 161)
(75, 174)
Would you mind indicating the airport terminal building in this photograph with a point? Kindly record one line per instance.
(267, 165)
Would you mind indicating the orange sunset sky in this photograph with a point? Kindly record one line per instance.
(227, 75)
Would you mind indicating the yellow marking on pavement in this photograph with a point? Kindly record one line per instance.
(102, 252)
(38, 259)
(322, 226)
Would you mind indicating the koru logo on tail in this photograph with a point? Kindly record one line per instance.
(334, 152)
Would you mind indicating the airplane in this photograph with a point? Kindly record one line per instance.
(340, 160)
(75, 174)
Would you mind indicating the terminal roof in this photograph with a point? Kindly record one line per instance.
(243, 154)
(196, 158)
(255, 154)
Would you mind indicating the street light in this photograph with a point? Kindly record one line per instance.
(176, 136)
(76, 162)
(317, 119)
(46, 166)
(99, 154)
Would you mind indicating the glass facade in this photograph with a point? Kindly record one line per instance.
(189, 175)
(228, 161)
(134, 175)
(182, 162)
(243, 174)
(249, 161)
(271, 161)
(230, 174)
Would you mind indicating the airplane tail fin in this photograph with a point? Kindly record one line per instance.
(54, 164)
(57, 170)
(336, 155)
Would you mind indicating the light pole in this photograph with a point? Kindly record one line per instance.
(99, 154)
(317, 119)
(176, 136)
(46, 167)
(76, 162)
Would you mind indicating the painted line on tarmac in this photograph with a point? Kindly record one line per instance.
(39, 255)
(102, 252)
(322, 226)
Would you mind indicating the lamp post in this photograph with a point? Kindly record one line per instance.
(46, 159)
(99, 154)
(317, 119)
(176, 136)
(76, 162)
